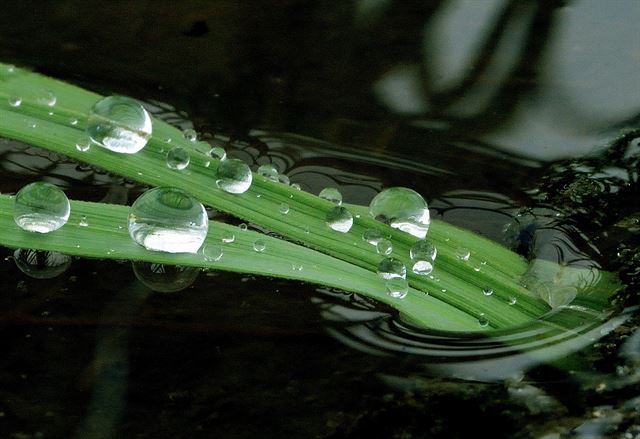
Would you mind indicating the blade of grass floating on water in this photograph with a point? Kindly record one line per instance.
(454, 281)
(106, 236)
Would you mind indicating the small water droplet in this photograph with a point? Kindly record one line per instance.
(296, 186)
(284, 179)
(403, 209)
(259, 245)
(15, 101)
(384, 247)
(269, 172)
(463, 254)
(83, 221)
(168, 220)
(397, 287)
(284, 208)
(296, 266)
(73, 121)
(212, 252)
(339, 219)
(372, 236)
(218, 152)
(163, 278)
(41, 207)
(178, 158)
(422, 268)
(228, 237)
(41, 264)
(83, 144)
(119, 124)
(390, 268)
(487, 291)
(46, 97)
(423, 251)
(483, 321)
(233, 176)
(332, 195)
(190, 135)
(243, 227)
(512, 300)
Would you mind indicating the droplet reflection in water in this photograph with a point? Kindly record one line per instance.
(403, 209)
(178, 158)
(41, 207)
(233, 176)
(119, 124)
(339, 219)
(41, 264)
(168, 220)
(165, 278)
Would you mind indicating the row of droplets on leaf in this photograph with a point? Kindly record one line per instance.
(168, 219)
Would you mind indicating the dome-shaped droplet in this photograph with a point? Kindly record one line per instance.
(83, 221)
(217, 152)
(41, 207)
(190, 134)
(83, 144)
(228, 237)
(165, 278)
(259, 245)
(372, 236)
(212, 252)
(296, 186)
(483, 321)
(512, 300)
(40, 264)
(15, 101)
(339, 219)
(268, 171)
(233, 176)
(119, 124)
(384, 247)
(284, 208)
(423, 251)
(284, 179)
(422, 267)
(46, 97)
(390, 268)
(397, 287)
(488, 291)
(168, 220)
(463, 254)
(331, 194)
(178, 158)
(402, 209)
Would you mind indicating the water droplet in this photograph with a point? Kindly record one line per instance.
(487, 291)
(190, 135)
(178, 158)
(46, 97)
(332, 195)
(233, 176)
(422, 268)
(83, 144)
(296, 266)
(243, 227)
(372, 236)
(282, 178)
(73, 121)
(284, 208)
(168, 220)
(397, 287)
(296, 186)
(512, 300)
(556, 296)
(259, 245)
(463, 254)
(423, 251)
(339, 219)
(269, 172)
(83, 221)
(402, 209)
(218, 152)
(212, 252)
(384, 247)
(483, 321)
(40, 264)
(15, 101)
(41, 207)
(390, 268)
(228, 237)
(119, 124)
(163, 278)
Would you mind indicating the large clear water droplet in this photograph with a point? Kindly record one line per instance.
(403, 209)
(384, 247)
(41, 207)
(331, 194)
(397, 287)
(178, 158)
(168, 220)
(269, 172)
(165, 278)
(422, 267)
(119, 124)
(40, 264)
(391, 268)
(233, 176)
(339, 219)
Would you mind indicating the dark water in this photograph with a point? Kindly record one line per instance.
(493, 110)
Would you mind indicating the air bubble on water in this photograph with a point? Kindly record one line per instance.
(403, 209)
(119, 124)
(212, 252)
(83, 221)
(169, 220)
(487, 291)
(339, 219)
(283, 208)
(163, 278)
(397, 288)
(233, 176)
(296, 186)
(372, 236)
(512, 300)
(243, 227)
(332, 195)
(268, 171)
(483, 321)
(423, 251)
(83, 144)
(390, 268)
(259, 245)
(384, 247)
(190, 134)
(422, 268)
(463, 254)
(41, 207)
(46, 97)
(178, 158)
(228, 237)
(218, 152)
(40, 264)
(284, 179)
(15, 101)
